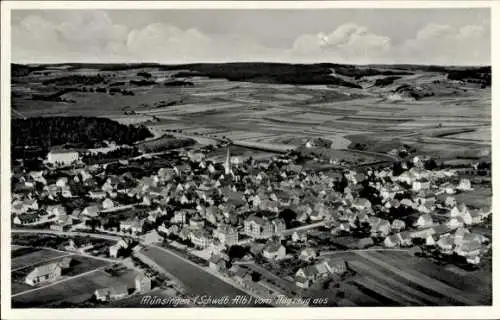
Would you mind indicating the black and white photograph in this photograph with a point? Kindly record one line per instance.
(333, 158)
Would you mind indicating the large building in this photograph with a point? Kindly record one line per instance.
(62, 157)
(228, 235)
(44, 273)
(257, 227)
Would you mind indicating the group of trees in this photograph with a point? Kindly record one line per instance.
(119, 153)
(46, 132)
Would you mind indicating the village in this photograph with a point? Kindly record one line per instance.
(268, 226)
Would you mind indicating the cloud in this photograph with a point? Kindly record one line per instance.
(348, 42)
(81, 35)
(92, 36)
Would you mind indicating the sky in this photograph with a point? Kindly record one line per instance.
(358, 36)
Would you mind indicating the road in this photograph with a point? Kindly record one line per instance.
(196, 279)
(302, 228)
(331, 253)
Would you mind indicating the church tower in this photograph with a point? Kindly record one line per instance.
(227, 163)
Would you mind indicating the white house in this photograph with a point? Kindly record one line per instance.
(108, 204)
(274, 251)
(62, 157)
(464, 185)
(424, 221)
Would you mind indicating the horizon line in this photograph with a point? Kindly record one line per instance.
(246, 62)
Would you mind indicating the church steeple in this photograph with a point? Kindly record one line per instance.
(227, 163)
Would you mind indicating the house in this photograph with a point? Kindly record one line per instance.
(455, 222)
(406, 202)
(307, 276)
(217, 263)
(459, 235)
(476, 216)
(199, 238)
(429, 241)
(450, 202)
(62, 223)
(419, 185)
(274, 251)
(91, 211)
(26, 218)
(392, 241)
(470, 249)
(112, 293)
(361, 203)
(422, 233)
(142, 283)
(227, 234)
(321, 271)
(335, 266)
(404, 239)
(57, 210)
(62, 157)
(61, 182)
(66, 192)
(308, 254)
(30, 204)
(448, 188)
(196, 221)
(278, 226)
(445, 244)
(179, 217)
(97, 194)
(44, 273)
(398, 225)
(344, 226)
(113, 250)
(382, 228)
(424, 221)
(464, 185)
(107, 204)
(133, 225)
(459, 211)
(298, 236)
(18, 207)
(257, 227)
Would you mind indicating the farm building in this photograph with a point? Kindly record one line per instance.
(110, 294)
(48, 272)
(309, 275)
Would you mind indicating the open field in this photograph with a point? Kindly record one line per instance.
(479, 197)
(72, 291)
(231, 103)
(425, 276)
(399, 278)
(32, 256)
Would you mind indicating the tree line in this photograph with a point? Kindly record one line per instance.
(46, 132)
